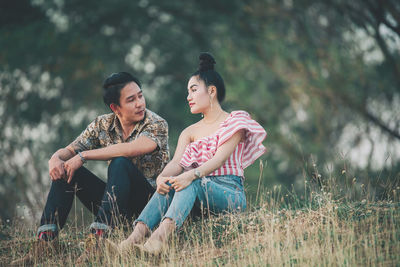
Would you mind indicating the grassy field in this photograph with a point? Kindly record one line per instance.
(325, 226)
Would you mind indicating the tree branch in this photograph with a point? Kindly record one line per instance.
(368, 115)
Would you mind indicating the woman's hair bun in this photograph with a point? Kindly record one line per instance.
(207, 61)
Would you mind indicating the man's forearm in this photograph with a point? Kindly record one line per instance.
(140, 146)
(63, 154)
(106, 153)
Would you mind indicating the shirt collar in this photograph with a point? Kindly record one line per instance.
(116, 125)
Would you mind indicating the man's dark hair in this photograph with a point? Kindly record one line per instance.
(207, 73)
(114, 83)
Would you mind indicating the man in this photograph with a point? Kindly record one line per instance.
(135, 142)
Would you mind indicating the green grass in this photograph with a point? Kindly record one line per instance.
(322, 227)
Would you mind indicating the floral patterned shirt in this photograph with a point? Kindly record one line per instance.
(106, 130)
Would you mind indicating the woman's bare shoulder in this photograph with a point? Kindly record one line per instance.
(189, 132)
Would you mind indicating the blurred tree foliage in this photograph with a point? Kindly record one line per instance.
(321, 76)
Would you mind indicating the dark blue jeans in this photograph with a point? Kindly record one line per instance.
(124, 195)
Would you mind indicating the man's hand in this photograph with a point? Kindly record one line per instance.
(56, 168)
(181, 181)
(71, 166)
(162, 187)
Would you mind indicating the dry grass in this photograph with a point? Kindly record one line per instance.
(323, 229)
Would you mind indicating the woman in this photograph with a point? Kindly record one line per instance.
(207, 168)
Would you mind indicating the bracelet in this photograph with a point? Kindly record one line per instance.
(197, 174)
(82, 158)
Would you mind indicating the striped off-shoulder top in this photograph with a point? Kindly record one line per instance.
(246, 152)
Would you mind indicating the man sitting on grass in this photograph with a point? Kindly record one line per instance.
(135, 142)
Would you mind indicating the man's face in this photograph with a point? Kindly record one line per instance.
(132, 104)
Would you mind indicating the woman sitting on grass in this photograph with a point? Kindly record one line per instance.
(207, 168)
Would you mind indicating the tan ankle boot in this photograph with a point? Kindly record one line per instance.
(156, 243)
(138, 236)
(153, 247)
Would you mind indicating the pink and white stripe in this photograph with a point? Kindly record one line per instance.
(247, 151)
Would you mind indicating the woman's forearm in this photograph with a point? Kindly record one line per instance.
(172, 169)
(223, 153)
(210, 166)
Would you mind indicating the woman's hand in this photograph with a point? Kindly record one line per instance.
(71, 166)
(181, 181)
(162, 187)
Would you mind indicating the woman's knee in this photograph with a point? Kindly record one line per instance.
(191, 189)
(195, 185)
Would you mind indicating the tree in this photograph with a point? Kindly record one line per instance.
(301, 68)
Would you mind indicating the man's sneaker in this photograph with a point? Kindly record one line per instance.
(47, 235)
(38, 252)
(100, 233)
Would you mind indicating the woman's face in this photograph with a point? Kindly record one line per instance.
(198, 97)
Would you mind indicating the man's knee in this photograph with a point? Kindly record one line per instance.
(59, 182)
(82, 171)
(121, 168)
(79, 173)
(120, 162)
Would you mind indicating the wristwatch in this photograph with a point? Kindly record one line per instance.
(82, 158)
(197, 173)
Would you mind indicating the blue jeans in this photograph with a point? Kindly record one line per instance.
(216, 193)
(123, 196)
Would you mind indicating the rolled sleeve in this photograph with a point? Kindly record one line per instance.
(156, 131)
(88, 139)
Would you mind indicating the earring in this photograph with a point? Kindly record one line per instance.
(211, 104)
(202, 115)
